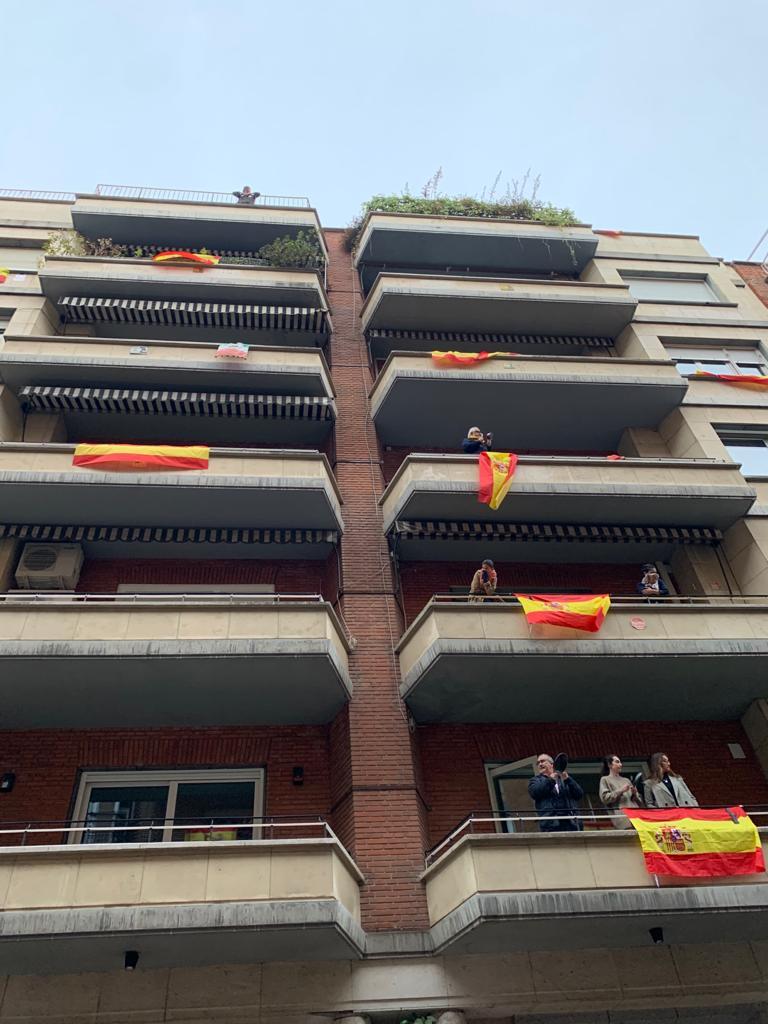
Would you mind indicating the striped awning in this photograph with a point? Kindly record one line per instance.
(165, 534)
(555, 532)
(449, 339)
(81, 309)
(178, 403)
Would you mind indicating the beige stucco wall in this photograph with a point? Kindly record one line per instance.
(651, 245)
(44, 877)
(29, 314)
(32, 213)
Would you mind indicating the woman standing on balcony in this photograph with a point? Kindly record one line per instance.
(616, 791)
(665, 788)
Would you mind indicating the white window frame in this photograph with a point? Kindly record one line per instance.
(627, 276)
(732, 436)
(734, 358)
(171, 779)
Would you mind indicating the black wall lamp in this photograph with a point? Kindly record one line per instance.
(7, 782)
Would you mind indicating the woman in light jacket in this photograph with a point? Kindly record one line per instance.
(665, 788)
(616, 791)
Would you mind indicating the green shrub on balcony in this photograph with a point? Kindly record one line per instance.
(300, 250)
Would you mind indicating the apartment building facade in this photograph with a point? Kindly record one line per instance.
(260, 757)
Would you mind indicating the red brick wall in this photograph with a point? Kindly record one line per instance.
(377, 805)
(102, 576)
(47, 763)
(420, 580)
(453, 759)
(756, 278)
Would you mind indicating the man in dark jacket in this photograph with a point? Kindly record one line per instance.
(476, 441)
(651, 584)
(556, 796)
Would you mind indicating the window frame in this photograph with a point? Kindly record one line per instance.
(172, 779)
(717, 298)
(732, 435)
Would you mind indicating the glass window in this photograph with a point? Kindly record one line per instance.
(169, 806)
(670, 289)
(751, 452)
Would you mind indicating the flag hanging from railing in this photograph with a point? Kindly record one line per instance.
(232, 350)
(495, 472)
(182, 256)
(141, 456)
(4, 272)
(463, 358)
(742, 380)
(577, 611)
(695, 842)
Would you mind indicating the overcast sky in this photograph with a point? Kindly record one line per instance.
(646, 115)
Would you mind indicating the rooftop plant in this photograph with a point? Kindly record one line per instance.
(301, 250)
(512, 204)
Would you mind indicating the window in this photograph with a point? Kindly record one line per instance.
(658, 288)
(748, 448)
(198, 800)
(508, 785)
(729, 359)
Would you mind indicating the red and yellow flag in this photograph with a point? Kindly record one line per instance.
(495, 472)
(4, 272)
(697, 843)
(578, 611)
(181, 256)
(742, 380)
(141, 456)
(468, 358)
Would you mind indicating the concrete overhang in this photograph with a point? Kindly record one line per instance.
(73, 664)
(179, 224)
(468, 663)
(78, 908)
(554, 489)
(497, 305)
(94, 277)
(510, 393)
(510, 893)
(241, 488)
(399, 241)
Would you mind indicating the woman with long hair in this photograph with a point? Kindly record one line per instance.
(665, 788)
(616, 791)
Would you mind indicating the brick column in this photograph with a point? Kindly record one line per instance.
(377, 805)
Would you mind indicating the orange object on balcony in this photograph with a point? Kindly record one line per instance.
(182, 256)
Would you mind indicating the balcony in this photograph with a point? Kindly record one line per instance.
(499, 893)
(144, 389)
(242, 488)
(107, 660)
(678, 659)
(70, 908)
(399, 241)
(552, 489)
(489, 305)
(183, 220)
(510, 392)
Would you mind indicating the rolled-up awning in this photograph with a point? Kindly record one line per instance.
(554, 532)
(451, 339)
(165, 534)
(179, 403)
(82, 309)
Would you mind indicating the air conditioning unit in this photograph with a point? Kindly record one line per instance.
(49, 567)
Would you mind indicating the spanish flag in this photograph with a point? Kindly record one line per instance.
(742, 380)
(181, 256)
(4, 272)
(461, 358)
(141, 456)
(693, 842)
(577, 611)
(495, 470)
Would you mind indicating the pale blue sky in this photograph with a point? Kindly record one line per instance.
(648, 116)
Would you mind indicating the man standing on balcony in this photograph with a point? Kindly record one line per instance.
(556, 796)
(246, 197)
(476, 441)
(484, 582)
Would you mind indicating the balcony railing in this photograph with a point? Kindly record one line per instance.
(183, 195)
(594, 819)
(31, 193)
(668, 599)
(69, 597)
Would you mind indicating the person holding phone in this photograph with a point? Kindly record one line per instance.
(476, 441)
(651, 584)
(484, 582)
(556, 795)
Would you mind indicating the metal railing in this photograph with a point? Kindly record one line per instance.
(153, 830)
(31, 193)
(670, 599)
(597, 819)
(71, 597)
(189, 196)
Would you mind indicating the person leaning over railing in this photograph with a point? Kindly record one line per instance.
(651, 584)
(665, 788)
(484, 582)
(616, 791)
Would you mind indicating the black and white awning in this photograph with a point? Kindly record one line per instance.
(554, 533)
(165, 534)
(178, 403)
(450, 339)
(82, 309)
